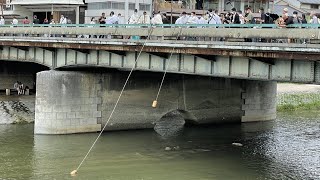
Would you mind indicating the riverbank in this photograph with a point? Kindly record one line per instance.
(16, 109)
(291, 97)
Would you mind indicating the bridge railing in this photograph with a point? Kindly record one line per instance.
(298, 33)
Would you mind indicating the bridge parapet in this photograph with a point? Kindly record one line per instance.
(173, 31)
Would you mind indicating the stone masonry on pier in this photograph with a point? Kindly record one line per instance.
(78, 102)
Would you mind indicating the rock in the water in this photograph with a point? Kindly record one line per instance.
(168, 149)
(170, 125)
(237, 144)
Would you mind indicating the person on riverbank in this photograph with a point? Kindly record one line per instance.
(21, 88)
(16, 86)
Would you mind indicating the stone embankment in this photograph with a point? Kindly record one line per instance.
(16, 109)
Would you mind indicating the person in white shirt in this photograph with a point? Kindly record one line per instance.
(217, 17)
(157, 19)
(113, 19)
(2, 21)
(120, 19)
(15, 21)
(183, 19)
(134, 18)
(202, 20)
(214, 17)
(63, 20)
(193, 19)
(144, 19)
(241, 17)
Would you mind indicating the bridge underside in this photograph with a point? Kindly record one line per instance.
(303, 71)
(79, 102)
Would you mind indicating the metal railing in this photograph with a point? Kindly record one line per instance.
(267, 33)
(171, 25)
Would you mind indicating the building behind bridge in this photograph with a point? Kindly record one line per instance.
(81, 11)
(301, 6)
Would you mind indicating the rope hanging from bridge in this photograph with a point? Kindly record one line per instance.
(74, 172)
(155, 102)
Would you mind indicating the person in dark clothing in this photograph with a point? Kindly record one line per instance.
(262, 19)
(235, 16)
(165, 19)
(36, 20)
(303, 19)
(295, 18)
(288, 20)
(102, 19)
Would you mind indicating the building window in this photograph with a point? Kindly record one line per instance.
(132, 6)
(99, 5)
(314, 6)
(117, 5)
(105, 5)
(144, 7)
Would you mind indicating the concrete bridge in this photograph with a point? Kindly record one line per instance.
(235, 80)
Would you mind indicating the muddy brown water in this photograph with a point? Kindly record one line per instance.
(288, 148)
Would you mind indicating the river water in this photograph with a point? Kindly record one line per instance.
(288, 148)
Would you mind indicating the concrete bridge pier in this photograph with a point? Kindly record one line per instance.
(78, 102)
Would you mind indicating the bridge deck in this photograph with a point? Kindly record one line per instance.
(218, 52)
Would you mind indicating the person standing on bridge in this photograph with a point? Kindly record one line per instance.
(2, 21)
(15, 21)
(314, 18)
(157, 19)
(183, 19)
(26, 20)
(36, 20)
(144, 19)
(249, 16)
(193, 19)
(63, 20)
(134, 17)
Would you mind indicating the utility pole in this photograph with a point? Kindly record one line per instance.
(2, 8)
(171, 11)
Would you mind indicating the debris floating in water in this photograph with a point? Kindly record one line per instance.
(154, 103)
(74, 173)
(237, 144)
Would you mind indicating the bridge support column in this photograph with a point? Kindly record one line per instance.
(79, 102)
(259, 101)
(66, 102)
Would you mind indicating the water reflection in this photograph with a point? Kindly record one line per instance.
(288, 148)
(16, 157)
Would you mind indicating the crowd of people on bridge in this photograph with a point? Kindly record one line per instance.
(210, 17)
(214, 17)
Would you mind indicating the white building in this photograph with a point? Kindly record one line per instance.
(302, 6)
(126, 7)
(45, 9)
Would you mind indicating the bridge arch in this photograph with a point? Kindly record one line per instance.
(25, 72)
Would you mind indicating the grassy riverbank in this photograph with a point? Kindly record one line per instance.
(292, 97)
